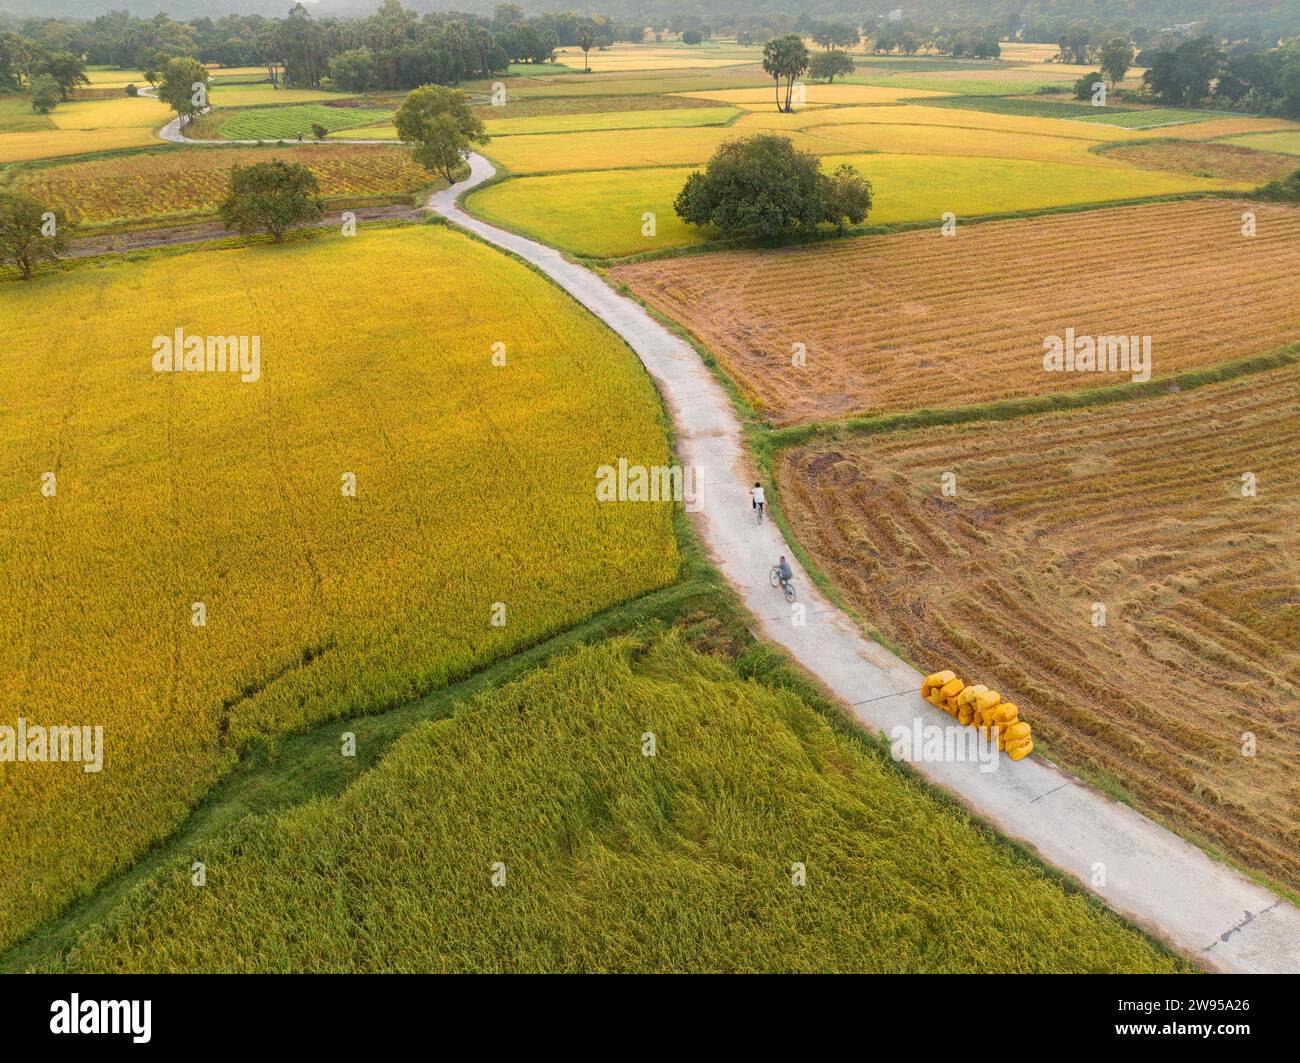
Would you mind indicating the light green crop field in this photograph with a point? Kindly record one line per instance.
(672, 118)
(1152, 119)
(17, 116)
(1288, 143)
(599, 214)
(613, 860)
(287, 123)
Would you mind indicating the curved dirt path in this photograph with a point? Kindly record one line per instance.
(1151, 875)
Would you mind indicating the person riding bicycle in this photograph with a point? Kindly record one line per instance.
(759, 500)
(784, 571)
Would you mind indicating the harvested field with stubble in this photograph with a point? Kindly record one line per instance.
(1233, 162)
(1138, 506)
(914, 320)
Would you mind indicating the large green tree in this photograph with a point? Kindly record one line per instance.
(826, 66)
(45, 93)
(30, 233)
(439, 122)
(67, 70)
(183, 86)
(1116, 59)
(763, 187)
(785, 57)
(270, 197)
(1183, 75)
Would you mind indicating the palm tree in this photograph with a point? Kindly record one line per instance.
(785, 57)
(585, 42)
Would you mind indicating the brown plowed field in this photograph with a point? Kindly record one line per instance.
(1138, 506)
(917, 320)
(1232, 162)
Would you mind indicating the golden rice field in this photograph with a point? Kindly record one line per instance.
(473, 486)
(193, 180)
(813, 93)
(1215, 128)
(83, 126)
(53, 143)
(915, 320)
(656, 118)
(956, 140)
(634, 83)
(621, 148)
(118, 113)
(1183, 694)
(599, 214)
(622, 57)
(920, 115)
(614, 861)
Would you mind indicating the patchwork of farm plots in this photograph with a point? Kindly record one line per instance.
(649, 57)
(601, 214)
(173, 182)
(79, 127)
(980, 162)
(1139, 508)
(614, 865)
(473, 486)
(915, 320)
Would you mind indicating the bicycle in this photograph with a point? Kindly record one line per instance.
(786, 585)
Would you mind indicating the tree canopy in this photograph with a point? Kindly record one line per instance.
(761, 186)
(271, 197)
(785, 57)
(439, 122)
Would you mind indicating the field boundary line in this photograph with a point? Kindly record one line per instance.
(1155, 878)
(778, 439)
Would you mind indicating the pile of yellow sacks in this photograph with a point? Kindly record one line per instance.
(978, 706)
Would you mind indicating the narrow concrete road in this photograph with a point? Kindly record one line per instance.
(1139, 869)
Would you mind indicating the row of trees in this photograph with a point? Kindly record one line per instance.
(394, 48)
(27, 64)
(1199, 71)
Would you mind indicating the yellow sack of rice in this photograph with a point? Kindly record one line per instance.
(986, 701)
(964, 715)
(938, 679)
(1006, 713)
(951, 688)
(968, 695)
(1017, 732)
(1020, 750)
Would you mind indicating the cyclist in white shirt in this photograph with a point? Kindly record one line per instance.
(759, 500)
